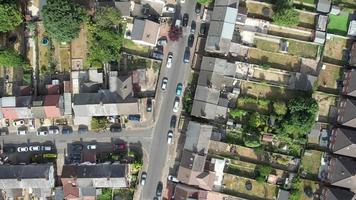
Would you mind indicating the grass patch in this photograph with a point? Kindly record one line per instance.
(259, 105)
(314, 186)
(306, 19)
(275, 60)
(235, 185)
(256, 8)
(303, 49)
(64, 55)
(311, 161)
(308, 1)
(328, 77)
(338, 24)
(266, 44)
(130, 47)
(334, 50)
(326, 102)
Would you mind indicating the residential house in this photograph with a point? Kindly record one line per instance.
(151, 9)
(67, 97)
(352, 28)
(320, 32)
(122, 85)
(336, 193)
(283, 194)
(37, 179)
(103, 103)
(145, 32)
(222, 26)
(323, 6)
(352, 56)
(124, 6)
(342, 172)
(89, 81)
(343, 142)
(198, 137)
(347, 112)
(49, 106)
(104, 175)
(16, 107)
(349, 83)
(183, 192)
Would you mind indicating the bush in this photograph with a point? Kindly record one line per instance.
(10, 58)
(264, 170)
(279, 108)
(175, 33)
(205, 2)
(10, 16)
(286, 17)
(99, 123)
(238, 113)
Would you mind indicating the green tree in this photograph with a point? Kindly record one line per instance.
(237, 113)
(9, 58)
(205, 2)
(62, 19)
(10, 16)
(286, 17)
(106, 35)
(279, 108)
(264, 170)
(255, 120)
(99, 123)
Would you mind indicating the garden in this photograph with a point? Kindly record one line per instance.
(303, 49)
(328, 78)
(334, 49)
(338, 24)
(122, 194)
(132, 48)
(311, 163)
(327, 106)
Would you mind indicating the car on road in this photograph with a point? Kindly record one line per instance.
(164, 83)
(77, 147)
(9, 149)
(193, 27)
(83, 130)
(169, 9)
(115, 128)
(21, 132)
(42, 133)
(119, 147)
(176, 104)
(157, 55)
(143, 178)
(91, 147)
(179, 89)
(172, 178)
(46, 148)
(173, 121)
(202, 29)
(182, 1)
(170, 137)
(185, 20)
(31, 124)
(53, 130)
(191, 40)
(67, 130)
(197, 8)
(149, 105)
(162, 41)
(4, 131)
(18, 123)
(169, 60)
(22, 149)
(186, 57)
(159, 189)
(34, 148)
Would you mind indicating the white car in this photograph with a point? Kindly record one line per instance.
(169, 9)
(19, 123)
(21, 132)
(31, 124)
(164, 83)
(172, 178)
(91, 147)
(34, 148)
(182, 1)
(53, 131)
(42, 133)
(169, 60)
(22, 149)
(176, 105)
(46, 148)
(170, 137)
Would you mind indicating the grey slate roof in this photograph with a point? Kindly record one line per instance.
(218, 65)
(198, 137)
(345, 142)
(205, 94)
(352, 60)
(322, 22)
(208, 110)
(323, 6)
(193, 161)
(230, 3)
(283, 195)
(350, 83)
(122, 85)
(335, 193)
(124, 7)
(347, 113)
(342, 172)
(214, 80)
(95, 171)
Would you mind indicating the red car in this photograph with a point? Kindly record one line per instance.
(119, 147)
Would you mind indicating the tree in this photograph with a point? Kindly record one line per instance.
(264, 170)
(99, 123)
(279, 108)
(286, 17)
(205, 2)
(10, 16)
(62, 19)
(9, 58)
(237, 113)
(175, 33)
(255, 120)
(106, 36)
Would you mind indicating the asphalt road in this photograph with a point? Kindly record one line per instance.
(176, 74)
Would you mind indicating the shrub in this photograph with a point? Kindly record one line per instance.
(99, 123)
(279, 108)
(10, 16)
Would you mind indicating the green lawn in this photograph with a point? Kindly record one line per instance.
(308, 1)
(266, 45)
(303, 49)
(311, 161)
(338, 24)
(130, 47)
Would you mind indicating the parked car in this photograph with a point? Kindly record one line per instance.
(91, 147)
(179, 89)
(157, 55)
(21, 132)
(162, 41)
(169, 9)
(34, 148)
(159, 189)
(31, 124)
(119, 147)
(202, 29)
(176, 104)
(149, 105)
(186, 57)
(185, 20)
(9, 149)
(19, 122)
(67, 130)
(172, 178)
(143, 178)
(77, 147)
(170, 137)
(7, 122)
(193, 26)
(173, 121)
(42, 133)
(197, 8)
(46, 148)
(135, 118)
(53, 130)
(169, 60)
(115, 128)
(182, 1)
(113, 119)
(164, 83)
(22, 149)
(4, 131)
(191, 40)
(83, 130)
(178, 23)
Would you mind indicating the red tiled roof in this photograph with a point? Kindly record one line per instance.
(9, 113)
(51, 100)
(70, 191)
(52, 89)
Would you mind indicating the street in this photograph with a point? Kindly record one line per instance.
(176, 74)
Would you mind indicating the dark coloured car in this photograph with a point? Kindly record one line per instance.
(77, 147)
(8, 149)
(149, 105)
(202, 29)
(193, 26)
(82, 130)
(185, 20)
(67, 130)
(119, 147)
(134, 118)
(198, 8)
(186, 57)
(191, 40)
(157, 55)
(115, 128)
(4, 131)
(173, 121)
(159, 189)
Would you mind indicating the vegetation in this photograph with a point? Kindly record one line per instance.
(237, 113)
(175, 33)
(338, 24)
(189, 94)
(295, 193)
(205, 2)
(99, 123)
(279, 108)
(106, 35)
(10, 16)
(106, 194)
(285, 15)
(10, 58)
(62, 19)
